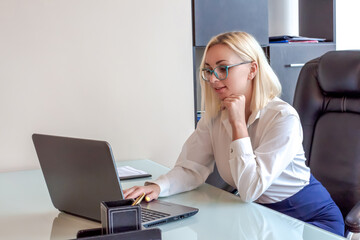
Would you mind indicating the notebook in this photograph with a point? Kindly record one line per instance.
(128, 172)
(80, 173)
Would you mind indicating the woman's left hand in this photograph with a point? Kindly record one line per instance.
(235, 104)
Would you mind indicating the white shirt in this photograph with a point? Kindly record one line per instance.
(266, 167)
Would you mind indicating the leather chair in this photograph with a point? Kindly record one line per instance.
(216, 180)
(327, 98)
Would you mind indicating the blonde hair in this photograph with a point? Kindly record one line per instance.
(266, 85)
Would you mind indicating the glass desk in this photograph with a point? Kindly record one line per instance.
(26, 212)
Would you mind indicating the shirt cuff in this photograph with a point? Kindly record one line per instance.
(241, 148)
(163, 183)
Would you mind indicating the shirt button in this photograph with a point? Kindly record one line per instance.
(231, 150)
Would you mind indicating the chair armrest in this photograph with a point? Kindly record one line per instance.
(352, 220)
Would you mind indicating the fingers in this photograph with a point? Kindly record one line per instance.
(151, 191)
(151, 196)
(232, 100)
(133, 192)
(130, 191)
(154, 193)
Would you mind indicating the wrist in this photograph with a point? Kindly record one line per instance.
(239, 130)
(154, 186)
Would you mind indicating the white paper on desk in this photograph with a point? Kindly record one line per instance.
(127, 171)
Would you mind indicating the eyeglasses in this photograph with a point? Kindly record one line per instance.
(221, 72)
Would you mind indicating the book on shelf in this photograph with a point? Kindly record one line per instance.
(294, 39)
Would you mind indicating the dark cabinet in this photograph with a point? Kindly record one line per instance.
(288, 59)
(317, 20)
(212, 17)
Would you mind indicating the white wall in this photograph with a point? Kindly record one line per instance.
(114, 70)
(347, 24)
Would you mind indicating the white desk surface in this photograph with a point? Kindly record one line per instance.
(26, 212)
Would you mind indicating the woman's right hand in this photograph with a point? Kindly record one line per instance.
(151, 191)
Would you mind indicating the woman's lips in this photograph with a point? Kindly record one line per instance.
(219, 89)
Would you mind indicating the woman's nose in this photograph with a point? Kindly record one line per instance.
(213, 78)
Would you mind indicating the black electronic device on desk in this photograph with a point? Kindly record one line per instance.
(145, 234)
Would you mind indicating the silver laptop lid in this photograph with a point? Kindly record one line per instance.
(80, 173)
(71, 170)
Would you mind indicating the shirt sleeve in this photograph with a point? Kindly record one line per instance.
(254, 170)
(193, 166)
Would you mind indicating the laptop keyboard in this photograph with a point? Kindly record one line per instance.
(150, 215)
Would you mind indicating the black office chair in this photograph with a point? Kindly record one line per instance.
(327, 98)
(216, 180)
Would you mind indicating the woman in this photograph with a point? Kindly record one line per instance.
(254, 137)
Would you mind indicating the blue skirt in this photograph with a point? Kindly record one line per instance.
(313, 204)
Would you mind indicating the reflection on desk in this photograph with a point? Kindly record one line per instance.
(27, 213)
(233, 219)
(66, 226)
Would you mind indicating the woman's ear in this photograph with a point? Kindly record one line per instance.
(253, 70)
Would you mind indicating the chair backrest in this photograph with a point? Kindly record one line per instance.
(216, 180)
(327, 98)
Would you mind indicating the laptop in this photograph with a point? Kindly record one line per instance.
(80, 173)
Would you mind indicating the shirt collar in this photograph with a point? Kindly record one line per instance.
(253, 117)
